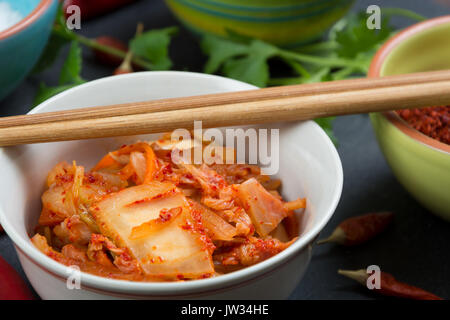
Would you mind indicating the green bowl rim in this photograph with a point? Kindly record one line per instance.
(375, 69)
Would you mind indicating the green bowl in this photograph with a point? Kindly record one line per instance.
(287, 23)
(420, 163)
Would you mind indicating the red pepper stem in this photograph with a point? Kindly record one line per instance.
(338, 236)
(126, 64)
(360, 276)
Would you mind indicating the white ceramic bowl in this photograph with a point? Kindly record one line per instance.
(309, 167)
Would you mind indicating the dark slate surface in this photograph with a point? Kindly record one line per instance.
(415, 248)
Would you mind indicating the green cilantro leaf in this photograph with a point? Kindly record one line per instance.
(219, 51)
(51, 52)
(154, 46)
(54, 44)
(356, 39)
(327, 126)
(69, 76)
(70, 72)
(253, 67)
(45, 92)
(245, 62)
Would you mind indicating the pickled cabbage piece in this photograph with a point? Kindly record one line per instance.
(216, 227)
(165, 218)
(55, 208)
(251, 251)
(265, 210)
(175, 250)
(280, 233)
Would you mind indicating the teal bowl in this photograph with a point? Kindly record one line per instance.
(22, 44)
(287, 23)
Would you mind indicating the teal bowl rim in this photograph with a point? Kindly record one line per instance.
(40, 9)
(375, 69)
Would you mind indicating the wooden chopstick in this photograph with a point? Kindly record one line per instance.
(372, 97)
(223, 98)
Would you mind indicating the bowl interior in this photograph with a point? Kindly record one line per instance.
(423, 47)
(309, 164)
(426, 50)
(23, 7)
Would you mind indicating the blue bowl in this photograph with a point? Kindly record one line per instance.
(22, 44)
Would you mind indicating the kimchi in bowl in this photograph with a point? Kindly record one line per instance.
(309, 167)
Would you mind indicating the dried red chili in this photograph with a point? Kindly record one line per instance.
(432, 121)
(93, 8)
(108, 59)
(12, 287)
(389, 286)
(357, 230)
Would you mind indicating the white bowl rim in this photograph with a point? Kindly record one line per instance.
(174, 288)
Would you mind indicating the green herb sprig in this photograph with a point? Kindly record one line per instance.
(150, 52)
(346, 52)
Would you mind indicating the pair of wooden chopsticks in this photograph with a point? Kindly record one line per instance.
(288, 103)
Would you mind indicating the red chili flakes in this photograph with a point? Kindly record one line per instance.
(180, 277)
(90, 178)
(159, 196)
(432, 121)
(64, 178)
(167, 214)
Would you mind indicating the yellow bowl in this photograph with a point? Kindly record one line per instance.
(287, 23)
(420, 163)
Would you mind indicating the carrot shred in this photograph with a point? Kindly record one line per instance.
(151, 163)
(105, 162)
(127, 171)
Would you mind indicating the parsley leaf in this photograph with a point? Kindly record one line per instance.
(245, 62)
(45, 92)
(327, 126)
(69, 76)
(219, 51)
(54, 44)
(51, 52)
(253, 67)
(70, 72)
(154, 46)
(345, 54)
(355, 38)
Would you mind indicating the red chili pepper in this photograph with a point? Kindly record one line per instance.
(357, 230)
(432, 121)
(1, 229)
(106, 58)
(12, 287)
(93, 8)
(389, 286)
